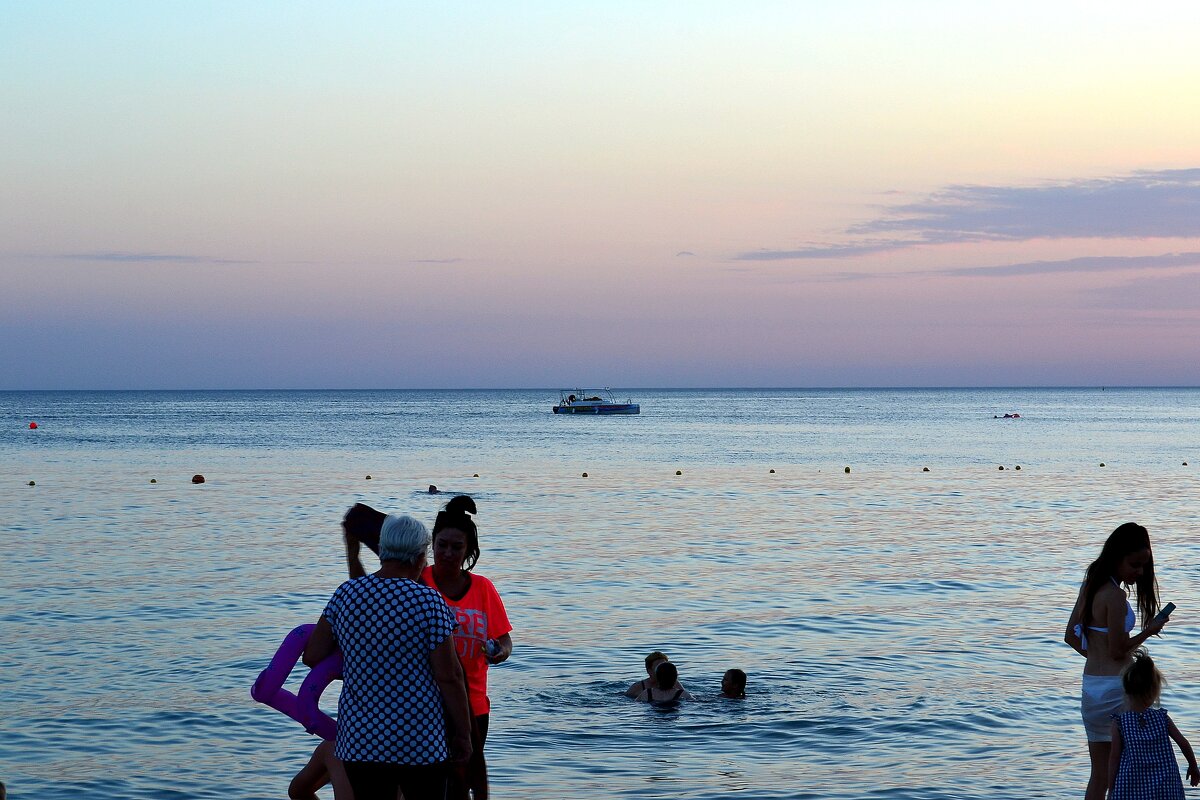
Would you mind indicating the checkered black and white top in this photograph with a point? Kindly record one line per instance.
(1148, 768)
(390, 709)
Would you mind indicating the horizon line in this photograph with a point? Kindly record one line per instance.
(989, 387)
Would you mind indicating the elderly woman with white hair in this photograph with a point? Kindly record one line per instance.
(403, 697)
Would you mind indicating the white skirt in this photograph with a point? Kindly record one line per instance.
(1102, 696)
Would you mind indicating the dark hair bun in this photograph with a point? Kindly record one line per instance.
(461, 504)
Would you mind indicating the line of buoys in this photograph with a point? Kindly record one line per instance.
(433, 489)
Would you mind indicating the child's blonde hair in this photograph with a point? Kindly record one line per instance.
(1141, 679)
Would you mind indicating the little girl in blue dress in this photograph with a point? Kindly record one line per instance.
(1142, 763)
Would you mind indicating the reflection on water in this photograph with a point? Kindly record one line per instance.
(901, 630)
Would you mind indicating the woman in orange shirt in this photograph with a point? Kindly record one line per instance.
(482, 638)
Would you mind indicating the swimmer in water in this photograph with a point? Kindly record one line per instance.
(652, 662)
(665, 674)
(733, 684)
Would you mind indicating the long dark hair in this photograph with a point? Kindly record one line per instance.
(1126, 539)
(457, 515)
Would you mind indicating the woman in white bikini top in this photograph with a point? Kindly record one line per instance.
(1130, 621)
(1108, 647)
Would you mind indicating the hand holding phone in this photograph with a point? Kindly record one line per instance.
(1165, 612)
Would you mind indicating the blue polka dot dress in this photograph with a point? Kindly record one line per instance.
(390, 708)
(1148, 768)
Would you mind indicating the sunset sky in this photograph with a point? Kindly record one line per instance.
(480, 194)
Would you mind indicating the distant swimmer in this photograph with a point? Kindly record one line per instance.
(733, 684)
(1006, 416)
(652, 662)
(665, 674)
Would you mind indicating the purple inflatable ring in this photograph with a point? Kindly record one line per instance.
(302, 706)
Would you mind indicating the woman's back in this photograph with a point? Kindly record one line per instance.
(1110, 609)
(390, 707)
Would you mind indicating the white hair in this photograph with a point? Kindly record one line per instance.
(403, 538)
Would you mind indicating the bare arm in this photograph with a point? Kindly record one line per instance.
(320, 644)
(353, 563)
(1193, 771)
(1114, 756)
(443, 661)
(1120, 643)
(1076, 618)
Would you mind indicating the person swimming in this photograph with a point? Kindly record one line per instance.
(652, 662)
(665, 674)
(733, 684)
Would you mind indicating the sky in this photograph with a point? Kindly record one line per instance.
(636, 194)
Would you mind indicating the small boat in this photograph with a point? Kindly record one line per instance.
(592, 401)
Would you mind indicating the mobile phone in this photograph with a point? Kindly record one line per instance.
(1165, 612)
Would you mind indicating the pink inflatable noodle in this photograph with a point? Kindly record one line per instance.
(302, 707)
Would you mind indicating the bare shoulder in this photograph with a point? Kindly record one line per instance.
(1109, 597)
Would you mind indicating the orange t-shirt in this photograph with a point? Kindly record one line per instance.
(481, 616)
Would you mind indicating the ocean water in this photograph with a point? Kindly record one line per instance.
(901, 629)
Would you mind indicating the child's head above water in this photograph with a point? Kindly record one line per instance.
(733, 683)
(665, 675)
(1141, 679)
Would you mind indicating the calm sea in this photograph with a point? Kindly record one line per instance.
(901, 628)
